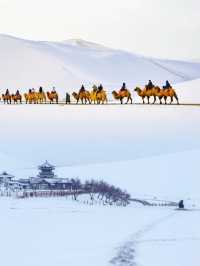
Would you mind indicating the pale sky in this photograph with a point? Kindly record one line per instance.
(161, 28)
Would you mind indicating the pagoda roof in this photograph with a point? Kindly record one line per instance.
(46, 164)
(5, 174)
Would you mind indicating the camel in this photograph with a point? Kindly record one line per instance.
(171, 94)
(41, 97)
(97, 96)
(52, 96)
(101, 97)
(157, 92)
(84, 96)
(146, 93)
(16, 98)
(31, 97)
(93, 94)
(7, 98)
(121, 95)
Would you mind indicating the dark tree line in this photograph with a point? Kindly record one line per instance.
(100, 190)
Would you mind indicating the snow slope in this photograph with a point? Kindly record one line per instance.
(189, 92)
(25, 64)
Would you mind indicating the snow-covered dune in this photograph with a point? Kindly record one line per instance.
(189, 91)
(25, 64)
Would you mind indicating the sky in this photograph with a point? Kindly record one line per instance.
(161, 28)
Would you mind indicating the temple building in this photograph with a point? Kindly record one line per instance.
(5, 177)
(47, 180)
(8, 181)
(44, 180)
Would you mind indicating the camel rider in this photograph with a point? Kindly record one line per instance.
(82, 89)
(17, 93)
(40, 90)
(53, 90)
(33, 90)
(123, 88)
(100, 88)
(167, 85)
(7, 92)
(150, 85)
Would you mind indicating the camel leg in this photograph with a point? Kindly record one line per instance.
(154, 99)
(176, 97)
(165, 98)
(148, 99)
(131, 100)
(143, 100)
(121, 100)
(171, 100)
(160, 100)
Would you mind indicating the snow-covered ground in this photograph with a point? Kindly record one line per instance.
(151, 151)
(61, 232)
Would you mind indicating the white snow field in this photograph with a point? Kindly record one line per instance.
(25, 64)
(51, 232)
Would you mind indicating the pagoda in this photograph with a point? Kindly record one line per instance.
(5, 177)
(46, 171)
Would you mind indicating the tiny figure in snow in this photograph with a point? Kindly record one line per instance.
(181, 204)
(68, 98)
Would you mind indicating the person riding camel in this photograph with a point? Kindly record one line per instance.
(53, 90)
(150, 85)
(167, 85)
(100, 88)
(123, 88)
(7, 92)
(82, 89)
(40, 90)
(17, 93)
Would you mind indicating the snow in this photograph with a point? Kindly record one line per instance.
(189, 91)
(178, 237)
(68, 64)
(62, 232)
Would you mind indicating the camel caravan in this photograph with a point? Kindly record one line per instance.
(97, 95)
